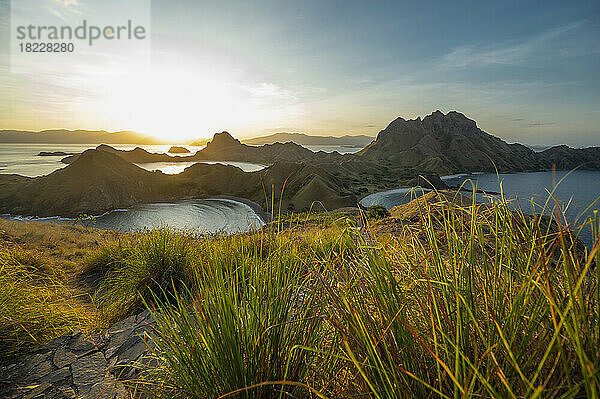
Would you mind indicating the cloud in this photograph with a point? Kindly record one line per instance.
(270, 91)
(539, 124)
(69, 5)
(517, 120)
(54, 12)
(506, 53)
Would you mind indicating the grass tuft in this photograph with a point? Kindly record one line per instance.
(35, 303)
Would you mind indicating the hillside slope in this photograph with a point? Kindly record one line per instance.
(445, 144)
(96, 182)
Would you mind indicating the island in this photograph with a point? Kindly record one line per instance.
(178, 150)
(404, 152)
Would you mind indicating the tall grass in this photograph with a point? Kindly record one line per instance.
(132, 267)
(240, 327)
(35, 303)
(467, 300)
(470, 300)
(477, 301)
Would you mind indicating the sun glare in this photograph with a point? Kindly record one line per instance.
(180, 104)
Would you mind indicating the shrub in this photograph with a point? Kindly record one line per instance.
(246, 327)
(377, 212)
(155, 261)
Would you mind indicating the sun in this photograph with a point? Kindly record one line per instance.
(181, 105)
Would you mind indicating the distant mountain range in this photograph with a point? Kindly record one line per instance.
(305, 139)
(63, 136)
(438, 144)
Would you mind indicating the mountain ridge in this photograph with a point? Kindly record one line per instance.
(79, 136)
(306, 139)
(105, 178)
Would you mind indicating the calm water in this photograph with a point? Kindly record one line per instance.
(577, 193)
(22, 159)
(392, 198)
(201, 216)
(198, 216)
(173, 168)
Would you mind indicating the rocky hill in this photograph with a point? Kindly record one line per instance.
(446, 144)
(452, 143)
(437, 144)
(305, 139)
(96, 182)
(567, 158)
(137, 155)
(223, 147)
(297, 185)
(105, 178)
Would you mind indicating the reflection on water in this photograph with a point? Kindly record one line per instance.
(200, 216)
(169, 168)
(392, 198)
(173, 168)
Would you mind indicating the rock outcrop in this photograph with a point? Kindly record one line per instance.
(224, 147)
(53, 154)
(178, 150)
(452, 143)
(75, 366)
(445, 144)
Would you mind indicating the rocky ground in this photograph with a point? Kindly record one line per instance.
(74, 366)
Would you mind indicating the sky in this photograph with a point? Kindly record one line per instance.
(526, 71)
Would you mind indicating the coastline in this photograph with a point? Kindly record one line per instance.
(263, 216)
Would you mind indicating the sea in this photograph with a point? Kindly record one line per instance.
(576, 194)
(205, 216)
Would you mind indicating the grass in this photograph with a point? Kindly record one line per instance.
(131, 267)
(242, 323)
(478, 301)
(35, 303)
(463, 300)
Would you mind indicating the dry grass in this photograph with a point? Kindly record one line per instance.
(60, 243)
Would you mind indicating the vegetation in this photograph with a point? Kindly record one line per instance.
(35, 303)
(462, 300)
(377, 212)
